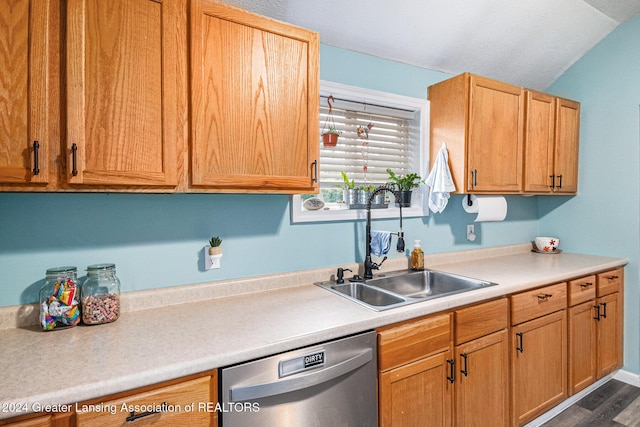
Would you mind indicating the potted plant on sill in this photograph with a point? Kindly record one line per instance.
(349, 192)
(404, 184)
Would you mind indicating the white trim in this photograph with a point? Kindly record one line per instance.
(419, 205)
(620, 375)
(627, 377)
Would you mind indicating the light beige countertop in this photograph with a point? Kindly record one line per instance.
(213, 327)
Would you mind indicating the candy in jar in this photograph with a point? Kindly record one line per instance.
(100, 295)
(59, 299)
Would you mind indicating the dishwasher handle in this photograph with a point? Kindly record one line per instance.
(257, 391)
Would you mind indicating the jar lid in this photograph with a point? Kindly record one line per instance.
(60, 270)
(101, 267)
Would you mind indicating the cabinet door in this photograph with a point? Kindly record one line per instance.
(539, 142)
(538, 365)
(26, 86)
(609, 332)
(483, 381)
(417, 394)
(495, 136)
(566, 150)
(126, 91)
(254, 88)
(582, 346)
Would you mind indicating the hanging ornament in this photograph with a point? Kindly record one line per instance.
(363, 132)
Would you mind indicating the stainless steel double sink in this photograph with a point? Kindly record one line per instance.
(396, 289)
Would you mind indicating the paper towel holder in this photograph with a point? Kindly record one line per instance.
(469, 201)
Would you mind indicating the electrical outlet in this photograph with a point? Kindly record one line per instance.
(471, 234)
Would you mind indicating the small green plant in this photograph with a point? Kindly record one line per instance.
(215, 241)
(348, 185)
(370, 188)
(404, 182)
(333, 130)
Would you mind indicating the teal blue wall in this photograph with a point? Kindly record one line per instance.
(156, 240)
(605, 216)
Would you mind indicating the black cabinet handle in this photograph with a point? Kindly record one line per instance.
(597, 307)
(133, 416)
(315, 171)
(586, 285)
(464, 369)
(553, 181)
(452, 370)
(520, 346)
(74, 153)
(560, 181)
(474, 175)
(612, 277)
(36, 148)
(544, 297)
(604, 309)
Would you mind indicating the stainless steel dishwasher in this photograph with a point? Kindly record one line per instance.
(330, 384)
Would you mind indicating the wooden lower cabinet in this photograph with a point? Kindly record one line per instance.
(582, 346)
(538, 366)
(417, 394)
(188, 401)
(609, 334)
(482, 381)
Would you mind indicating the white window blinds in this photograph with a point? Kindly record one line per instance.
(364, 160)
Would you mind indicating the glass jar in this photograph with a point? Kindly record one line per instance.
(59, 299)
(100, 295)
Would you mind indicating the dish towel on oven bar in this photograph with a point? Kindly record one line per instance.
(380, 242)
(440, 181)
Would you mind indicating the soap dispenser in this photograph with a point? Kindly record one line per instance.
(417, 257)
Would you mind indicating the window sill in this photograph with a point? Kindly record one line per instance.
(299, 215)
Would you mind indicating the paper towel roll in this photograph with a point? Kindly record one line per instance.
(488, 208)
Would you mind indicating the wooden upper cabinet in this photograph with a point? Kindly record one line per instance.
(551, 144)
(566, 149)
(27, 91)
(481, 121)
(254, 99)
(126, 92)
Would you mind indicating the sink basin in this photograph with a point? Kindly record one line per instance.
(367, 294)
(396, 289)
(427, 284)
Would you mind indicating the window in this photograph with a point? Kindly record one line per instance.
(378, 130)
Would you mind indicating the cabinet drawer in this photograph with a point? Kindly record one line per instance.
(174, 399)
(407, 342)
(581, 290)
(480, 320)
(538, 302)
(610, 281)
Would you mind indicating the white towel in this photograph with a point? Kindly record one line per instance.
(440, 181)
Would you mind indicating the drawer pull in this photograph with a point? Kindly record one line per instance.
(612, 277)
(597, 307)
(133, 416)
(464, 369)
(586, 285)
(544, 297)
(520, 346)
(452, 370)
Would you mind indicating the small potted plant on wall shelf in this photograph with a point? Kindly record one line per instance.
(214, 253)
(404, 184)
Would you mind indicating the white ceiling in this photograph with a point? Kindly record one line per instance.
(524, 42)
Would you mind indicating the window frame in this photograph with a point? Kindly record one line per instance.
(420, 106)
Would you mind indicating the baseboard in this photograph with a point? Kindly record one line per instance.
(570, 401)
(620, 375)
(627, 377)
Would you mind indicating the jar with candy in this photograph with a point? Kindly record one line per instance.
(100, 295)
(59, 299)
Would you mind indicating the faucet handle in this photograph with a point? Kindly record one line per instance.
(376, 266)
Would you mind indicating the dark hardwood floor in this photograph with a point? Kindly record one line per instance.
(613, 404)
